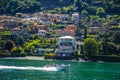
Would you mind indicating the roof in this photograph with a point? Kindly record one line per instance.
(71, 25)
(68, 37)
(16, 28)
(94, 27)
(1, 28)
(42, 30)
(76, 14)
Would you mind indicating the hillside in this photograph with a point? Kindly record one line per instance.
(64, 6)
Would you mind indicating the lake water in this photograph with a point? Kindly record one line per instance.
(14, 69)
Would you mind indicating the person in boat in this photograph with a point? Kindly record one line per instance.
(52, 65)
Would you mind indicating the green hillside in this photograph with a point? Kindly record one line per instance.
(63, 6)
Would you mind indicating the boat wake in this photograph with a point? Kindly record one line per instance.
(29, 68)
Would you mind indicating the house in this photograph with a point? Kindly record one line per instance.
(42, 32)
(9, 21)
(66, 46)
(16, 31)
(58, 32)
(71, 27)
(41, 27)
(64, 32)
(75, 17)
(1, 29)
(69, 32)
(113, 23)
(64, 16)
(92, 30)
(19, 15)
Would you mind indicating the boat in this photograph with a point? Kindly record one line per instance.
(55, 67)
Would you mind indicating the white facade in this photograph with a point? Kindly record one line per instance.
(75, 17)
(67, 42)
(67, 46)
(42, 32)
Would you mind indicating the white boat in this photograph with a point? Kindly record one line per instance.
(55, 67)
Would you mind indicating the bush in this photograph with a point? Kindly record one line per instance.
(49, 55)
(16, 51)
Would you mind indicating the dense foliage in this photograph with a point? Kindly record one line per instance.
(99, 7)
(91, 46)
(14, 6)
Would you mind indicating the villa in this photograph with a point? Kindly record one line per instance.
(66, 46)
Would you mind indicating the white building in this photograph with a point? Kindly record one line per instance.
(67, 46)
(75, 17)
(42, 32)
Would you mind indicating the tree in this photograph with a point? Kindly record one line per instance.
(78, 5)
(100, 11)
(118, 49)
(116, 37)
(9, 45)
(20, 41)
(84, 12)
(111, 48)
(92, 10)
(1, 44)
(85, 32)
(17, 51)
(91, 46)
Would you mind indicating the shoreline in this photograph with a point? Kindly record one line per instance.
(27, 58)
(38, 58)
(42, 58)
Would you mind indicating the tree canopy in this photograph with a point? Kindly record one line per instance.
(91, 46)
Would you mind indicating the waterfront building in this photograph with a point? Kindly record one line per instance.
(66, 46)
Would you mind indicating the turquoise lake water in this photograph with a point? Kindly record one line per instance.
(76, 70)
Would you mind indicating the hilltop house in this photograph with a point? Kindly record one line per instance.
(93, 30)
(75, 17)
(9, 21)
(42, 32)
(16, 31)
(41, 27)
(1, 29)
(71, 27)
